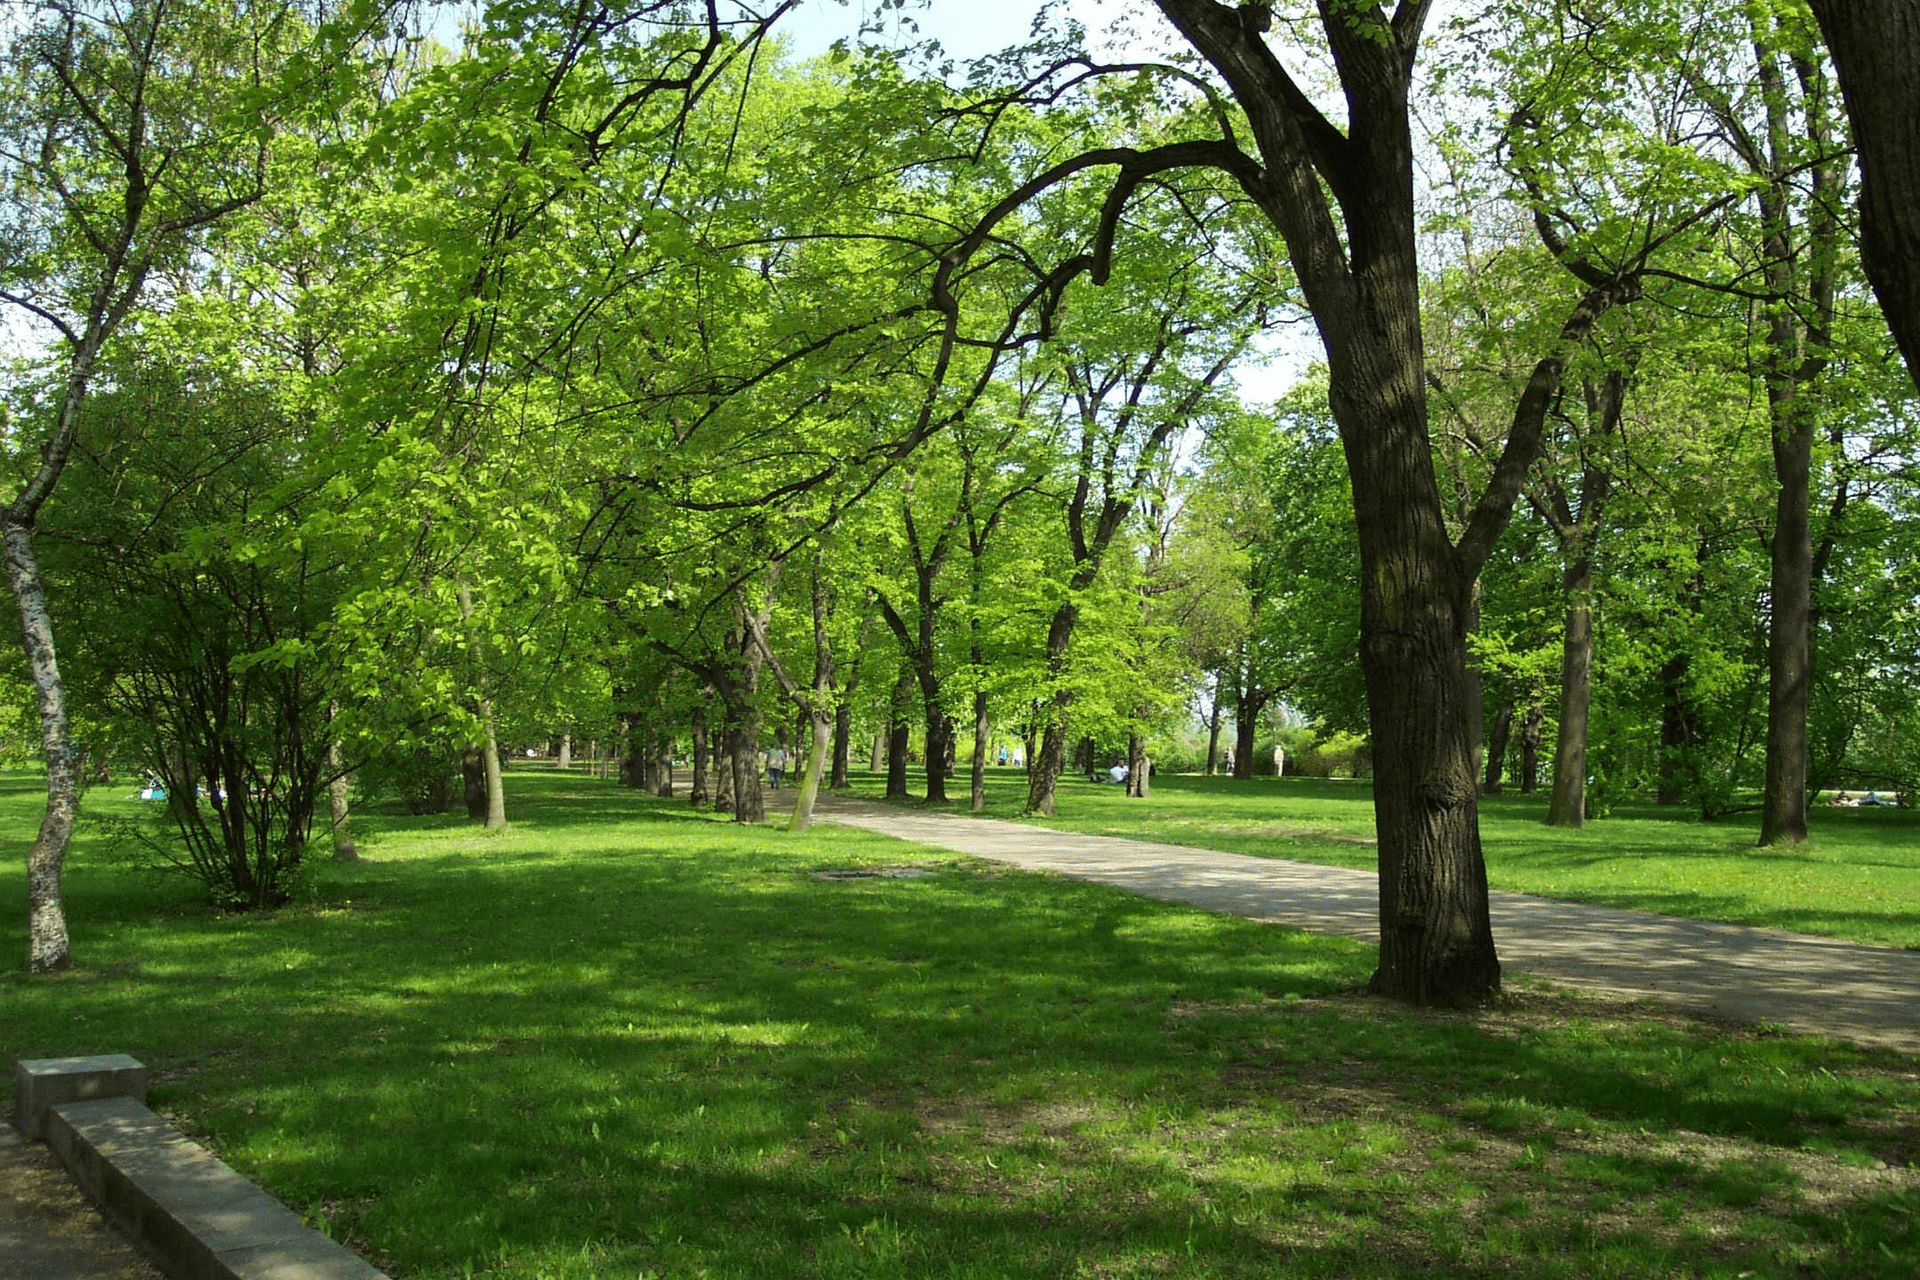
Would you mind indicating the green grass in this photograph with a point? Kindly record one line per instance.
(623, 1040)
(1859, 877)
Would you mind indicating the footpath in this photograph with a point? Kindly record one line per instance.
(1816, 986)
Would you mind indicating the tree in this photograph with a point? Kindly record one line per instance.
(1875, 46)
(129, 130)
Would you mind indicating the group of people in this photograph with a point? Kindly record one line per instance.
(1872, 798)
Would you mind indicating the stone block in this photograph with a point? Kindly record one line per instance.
(40, 1084)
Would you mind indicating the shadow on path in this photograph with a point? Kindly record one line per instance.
(1817, 986)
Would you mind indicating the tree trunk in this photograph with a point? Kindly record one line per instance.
(1783, 804)
(982, 727)
(473, 779)
(1497, 747)
(662, 763)
(899, 726)
(940, 746)
(723, 772)
(1213, 732)
(697, 792)
(1243, 742)
(1676, 732)
(1530, 747)
(842, 746)
(566, 751)
(877, 758)
(1044, 766)
(743, 744)
(48, 948)
(494, 805)
(1876, 46)
(1436, 935)
(1567, 807)
(1139, 767)
(822, 740)
(343, 850)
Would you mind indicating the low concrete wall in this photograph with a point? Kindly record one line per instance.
(196, 1217)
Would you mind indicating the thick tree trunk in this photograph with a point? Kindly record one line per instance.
(940, 746)
(1044, 766)
(1436, 936)
(1497, 748)
(1567, 807)
(566, 751)
(877, 758)
(899, 728)
(48, 948)
(1244, 728)
(743, 745)
(1876, 46)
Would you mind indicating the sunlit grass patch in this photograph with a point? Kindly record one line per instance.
(619, 1039)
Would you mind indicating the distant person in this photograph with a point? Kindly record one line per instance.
(776, 765)
(1226, 760)
(1118, 773)
(1873, 797)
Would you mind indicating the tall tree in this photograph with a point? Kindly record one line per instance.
(128, 131)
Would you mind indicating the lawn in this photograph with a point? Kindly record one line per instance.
(1859, 877)
(623, 1040)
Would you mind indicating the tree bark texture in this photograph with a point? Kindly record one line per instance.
(48, 947)
(1567, 806)
(1876, 47)
(566, 751)
(899, 730)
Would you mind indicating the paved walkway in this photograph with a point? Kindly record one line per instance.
(1869, 995)
(47, 1229)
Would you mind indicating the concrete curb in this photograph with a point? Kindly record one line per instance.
(197, 1218)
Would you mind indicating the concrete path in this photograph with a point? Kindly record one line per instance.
(48, 1231)
(1869, 995)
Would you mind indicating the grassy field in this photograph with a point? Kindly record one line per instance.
(622, 1040)
(1859, 878)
